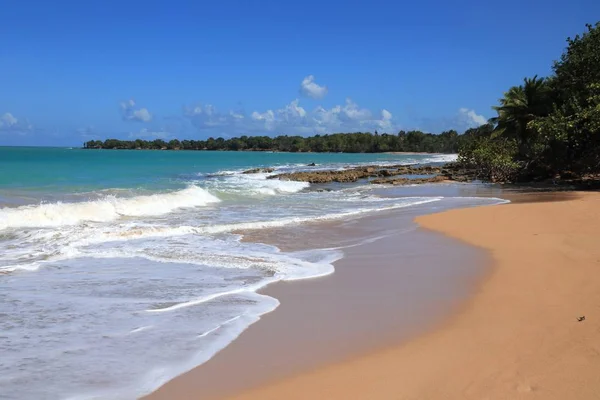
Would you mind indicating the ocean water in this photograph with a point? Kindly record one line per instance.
(122, 269)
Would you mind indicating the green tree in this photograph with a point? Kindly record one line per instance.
(579, 68)
(570, 135)
(174, 145)
(519, 106)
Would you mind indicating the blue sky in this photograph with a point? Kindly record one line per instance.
(72, 71)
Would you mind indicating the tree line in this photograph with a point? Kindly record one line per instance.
(546, 127)
(412, 141)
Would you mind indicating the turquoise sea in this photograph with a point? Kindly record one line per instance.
(122, 269)
(66, 170)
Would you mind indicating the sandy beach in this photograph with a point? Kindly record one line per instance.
(518, 337)
(371, 302)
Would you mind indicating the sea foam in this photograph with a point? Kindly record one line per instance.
(242, 184)
(106, 209)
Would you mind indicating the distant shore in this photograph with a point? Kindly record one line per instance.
(406, 153)
(357, 142)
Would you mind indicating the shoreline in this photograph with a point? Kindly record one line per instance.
(518, 337)
(352, 312)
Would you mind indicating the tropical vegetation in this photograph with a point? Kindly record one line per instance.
(546, 127)
(413, 141)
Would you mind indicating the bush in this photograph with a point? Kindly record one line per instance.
(492, 159)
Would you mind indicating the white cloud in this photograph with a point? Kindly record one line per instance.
(385, 122)
(292, 111)
(291, 119)
(310, 88)
(462, 120)
(142, 115)
(471, 118)
(129, 112)
(347, 118)
(8, 120)
(267, 117)
(206, 117)
(10, 124)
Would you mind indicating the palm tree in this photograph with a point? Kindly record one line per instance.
(519, 106)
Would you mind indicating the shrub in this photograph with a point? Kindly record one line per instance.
(492, 159)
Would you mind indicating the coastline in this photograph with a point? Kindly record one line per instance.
(518, 337)
(161, 330)
(372, 301)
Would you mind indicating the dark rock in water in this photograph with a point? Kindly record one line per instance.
(322, 176)
(355, 173)
(311, 165)
(259, 171)
(409, 181)
(388, 172)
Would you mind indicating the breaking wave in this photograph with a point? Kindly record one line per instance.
(107, 209)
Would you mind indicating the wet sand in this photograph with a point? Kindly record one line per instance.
(518, 338)
(505, 332)
(382, 293)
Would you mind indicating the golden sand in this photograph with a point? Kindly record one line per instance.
(518, 338)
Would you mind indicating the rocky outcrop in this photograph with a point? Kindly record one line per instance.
(458, 173)
(259, 171)
(322, 176)
(344, 176)
(409, 181)
(355, 174)
(394, 174)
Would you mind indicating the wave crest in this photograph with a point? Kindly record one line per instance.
(107, 209)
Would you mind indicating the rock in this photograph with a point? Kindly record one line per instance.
(311, 165)
(387, 172)
(459, 173)
(408, 181)
(383, 175)
(259, 171)
(323, 176)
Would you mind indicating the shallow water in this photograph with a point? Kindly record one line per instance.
(122, 269)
